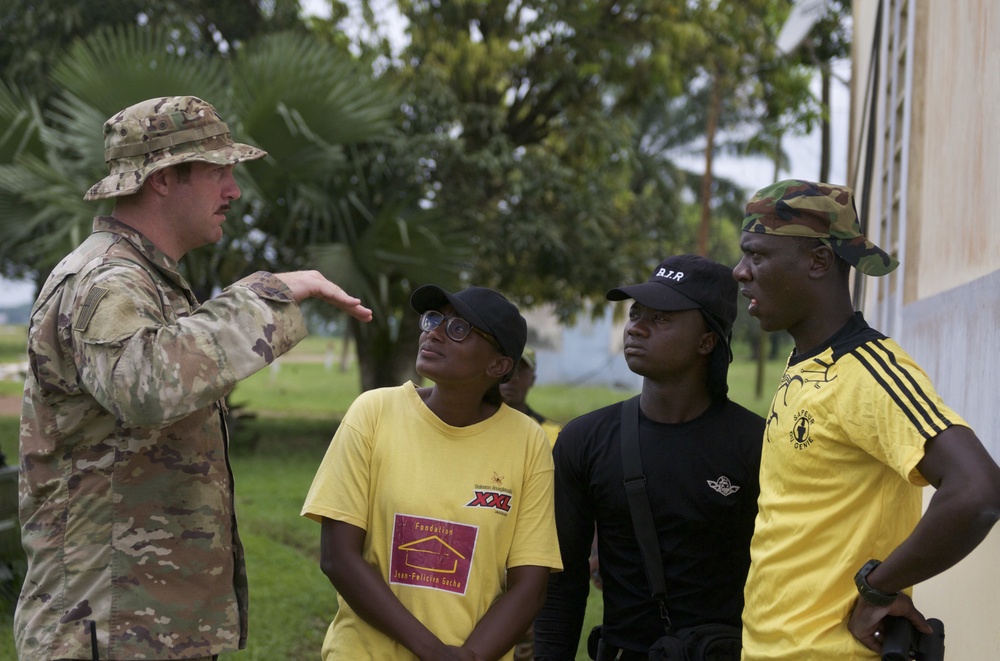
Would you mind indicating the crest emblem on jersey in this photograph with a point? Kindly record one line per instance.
(800, 435)
(813, 375)
(724, 486)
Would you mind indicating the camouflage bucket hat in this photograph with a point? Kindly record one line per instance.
(161, 132)
(824, 211)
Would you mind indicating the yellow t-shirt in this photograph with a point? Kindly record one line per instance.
(447, 511)
(838, 486)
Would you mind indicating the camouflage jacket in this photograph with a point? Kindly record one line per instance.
(126, 493)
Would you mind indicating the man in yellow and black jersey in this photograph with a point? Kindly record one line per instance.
(854, 431)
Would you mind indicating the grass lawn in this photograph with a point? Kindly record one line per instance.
(13, 340)
(318, 390)
(296, 408)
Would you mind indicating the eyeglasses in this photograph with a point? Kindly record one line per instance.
(455, 328)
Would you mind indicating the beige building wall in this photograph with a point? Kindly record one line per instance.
(935, 192)
(955, 150)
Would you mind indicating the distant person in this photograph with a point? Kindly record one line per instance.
(126, 495)
(855, 430)
(436, 502)
(700, 454)
(515, 393)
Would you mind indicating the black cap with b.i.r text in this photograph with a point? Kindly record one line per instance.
(689, 282)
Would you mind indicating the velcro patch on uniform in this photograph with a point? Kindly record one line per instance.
(89, 306)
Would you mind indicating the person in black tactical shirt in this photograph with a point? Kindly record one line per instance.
(700, 455)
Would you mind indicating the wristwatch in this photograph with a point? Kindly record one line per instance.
(868, 593)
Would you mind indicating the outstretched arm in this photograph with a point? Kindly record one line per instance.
(959, 516)
(312, 284)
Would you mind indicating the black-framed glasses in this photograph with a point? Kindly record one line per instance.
(455, 327)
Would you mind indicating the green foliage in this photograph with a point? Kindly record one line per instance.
(527, 147)
(526, 114)
(21, 119)
(295, 96)
(328, 196)
(549, 130)
(114, 68)
(35, 33)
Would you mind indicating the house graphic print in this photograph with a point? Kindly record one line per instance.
(432, 554)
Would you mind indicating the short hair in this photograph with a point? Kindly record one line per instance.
(718, 364)
(183, 171)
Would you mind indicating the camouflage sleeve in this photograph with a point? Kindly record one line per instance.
(151, 360)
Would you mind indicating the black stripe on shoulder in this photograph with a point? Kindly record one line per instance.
(881, 363)
(927, 400)
(850, 342)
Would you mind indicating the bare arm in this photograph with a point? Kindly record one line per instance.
(369, 596)
(312, 284)
(959, 516)
(508, 618)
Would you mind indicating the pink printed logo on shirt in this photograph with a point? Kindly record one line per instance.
(430, 553)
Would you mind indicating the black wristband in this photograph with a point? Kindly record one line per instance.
(867, 592)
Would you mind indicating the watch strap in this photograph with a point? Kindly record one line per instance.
(868, 593)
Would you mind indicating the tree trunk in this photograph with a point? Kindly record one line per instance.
(824, 155)
(386, 355)
(711, 126)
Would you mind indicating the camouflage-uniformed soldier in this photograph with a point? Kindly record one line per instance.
(126, 495)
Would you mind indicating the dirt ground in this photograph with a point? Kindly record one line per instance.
(10, 405)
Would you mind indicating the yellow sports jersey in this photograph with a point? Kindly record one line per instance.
(446, 510)
(838, 486)
(551, 430)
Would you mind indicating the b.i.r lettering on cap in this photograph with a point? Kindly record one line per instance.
(670, 275)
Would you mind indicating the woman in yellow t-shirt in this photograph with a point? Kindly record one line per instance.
(435, 502)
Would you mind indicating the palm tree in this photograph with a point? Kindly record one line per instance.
(313, 202)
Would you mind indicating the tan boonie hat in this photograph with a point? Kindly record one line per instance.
(161, 132)
(824, 211)
(528, 357)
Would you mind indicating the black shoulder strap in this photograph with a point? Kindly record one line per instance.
(638, 504)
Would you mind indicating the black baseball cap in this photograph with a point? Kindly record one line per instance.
(689, 282)
(484, 308)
